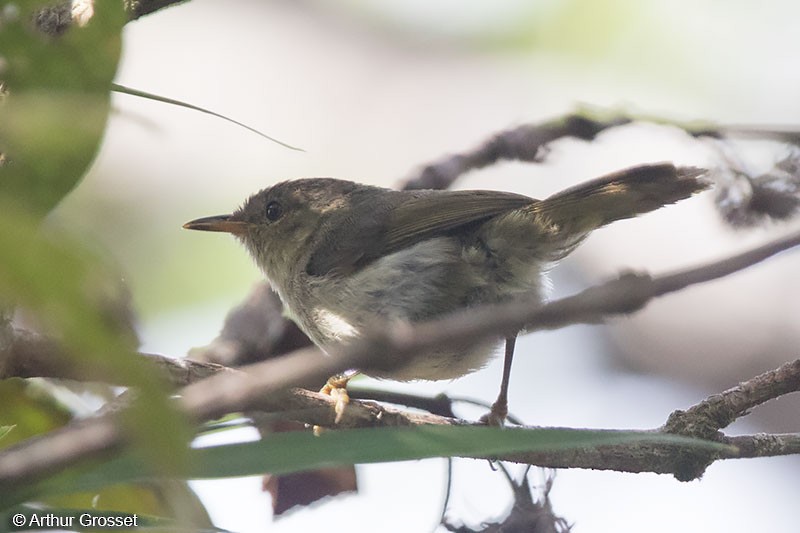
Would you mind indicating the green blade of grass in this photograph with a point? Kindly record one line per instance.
(150, 96)
(299, 451)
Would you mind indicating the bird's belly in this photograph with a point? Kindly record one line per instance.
(426, 281)
(443, 363)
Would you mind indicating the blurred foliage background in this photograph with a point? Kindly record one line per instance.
(371, 90)
(53, 114)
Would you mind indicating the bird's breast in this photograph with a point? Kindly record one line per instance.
(426, 281)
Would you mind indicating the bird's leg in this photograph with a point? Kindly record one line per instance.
(499, 410)
(336, 388)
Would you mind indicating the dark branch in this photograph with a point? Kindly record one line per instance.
(440, 405)
(720, 410)
(140, 8)
(524, 143)
(263, 386)
(764, 445)
(27, 355)
(742, 199)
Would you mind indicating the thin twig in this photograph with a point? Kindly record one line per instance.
(720, 410)
(523, 143)
(529, 142)
(440, 404)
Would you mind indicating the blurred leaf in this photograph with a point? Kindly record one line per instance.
(165, 498)
(53, 118)
(52, 277)
(5, 430)
(33, 411)
(50, 138)
(588, 29)
(301, 451)
(28, 412)
(82, 59)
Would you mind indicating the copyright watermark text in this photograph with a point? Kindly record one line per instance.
(98, 520)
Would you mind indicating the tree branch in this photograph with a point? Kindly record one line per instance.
(101, 437)
(720, 410)
(523, 143)
(529, 142)
(704, 421)
(764, 445)
(263, 386)
(140, 8)
(28, 355)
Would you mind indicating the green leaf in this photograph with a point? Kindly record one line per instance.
(50, 139)
(54, 115)
(298, 451)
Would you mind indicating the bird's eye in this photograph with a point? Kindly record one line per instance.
(273, 211)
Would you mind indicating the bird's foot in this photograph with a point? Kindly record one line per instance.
(336, 388)
(496, 416)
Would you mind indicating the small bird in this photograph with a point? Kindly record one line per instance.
(343, 256)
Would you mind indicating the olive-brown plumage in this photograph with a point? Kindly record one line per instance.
(344, 256)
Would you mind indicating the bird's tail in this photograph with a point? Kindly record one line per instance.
(572, 213)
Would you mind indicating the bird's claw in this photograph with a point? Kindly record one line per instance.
(336, 388)
(496, 416)
(341, 398)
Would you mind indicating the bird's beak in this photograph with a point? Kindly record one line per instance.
(219, 223)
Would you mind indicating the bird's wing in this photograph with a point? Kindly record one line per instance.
(413, 217)
(435, 214)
